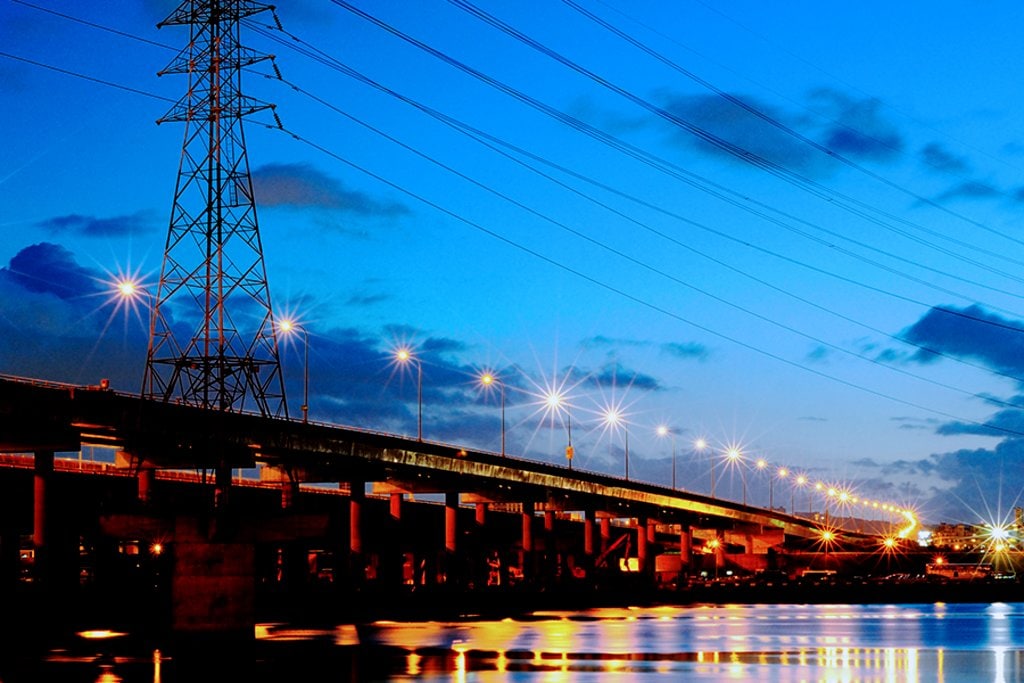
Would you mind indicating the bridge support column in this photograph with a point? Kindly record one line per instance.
(527, 559)
(481, 514)
(289, 492)
(356, 499)
(450, 569)
(685, 548)
(606, 533)
(40, 512)
(451, 521)
(588, 534)
(641, 545)
(146, 479)
(393, 567)
(222, 485)
(212, 584)
(719, 552)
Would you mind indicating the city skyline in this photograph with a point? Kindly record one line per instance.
(777, 230)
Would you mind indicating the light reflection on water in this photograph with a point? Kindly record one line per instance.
(842, 643)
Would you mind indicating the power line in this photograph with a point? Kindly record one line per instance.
(76, 74)
(635, 299)
(487, 140)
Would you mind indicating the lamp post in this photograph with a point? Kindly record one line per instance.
(488, 379)
(734, 456)
(556, 404)
(762, 465)
(288, 327)
(404, 356)
(613, 419)
(699, 445)
(801, 481)
(784, 474)
(664, 431)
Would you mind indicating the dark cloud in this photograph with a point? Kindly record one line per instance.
(367, 299)
(859, 130)
(600, 341)
(90, 226)
(851, 127)
(615, 375)
(986, 483)
(303, 186)
(970, 332)
(739, 128)
(812, 418)
(865, 462)
(686, 350)
(941, 159)
(972, 189)
(58, 323)
(819, 354)
(1002, 423)
(52, 269)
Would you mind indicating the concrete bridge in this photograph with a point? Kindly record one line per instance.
(495, 519)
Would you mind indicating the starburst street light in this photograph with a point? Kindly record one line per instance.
(700, 445)
(614, 419)
(488, 380)
(762, 466)
(801, 481)
(664, 430)
(734, 456)
(404, 356)
(129, 292)
(291, 327)
(784, 474)
(555, 404)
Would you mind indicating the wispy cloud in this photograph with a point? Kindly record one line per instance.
(970, 332)
(686, 350)
(936, 156)
(303, 186)
(91, 226)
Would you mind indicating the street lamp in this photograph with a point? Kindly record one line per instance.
(762, 465)
(289, 327)
(664, 431)
(405, 356)
(801, 481)
(784, 474)
(699, 445)
(556, 403)
(613, 419)
(488, 380)
(734, 456)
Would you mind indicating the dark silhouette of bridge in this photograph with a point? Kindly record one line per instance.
(344, 506)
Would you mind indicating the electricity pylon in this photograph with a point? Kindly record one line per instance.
(213, 341)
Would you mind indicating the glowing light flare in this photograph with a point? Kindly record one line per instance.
(612, 417)
(700, 444)
(128, 288)
(662, 430)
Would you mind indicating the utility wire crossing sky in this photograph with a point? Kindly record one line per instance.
(791, 230)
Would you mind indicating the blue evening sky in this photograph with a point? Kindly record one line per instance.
(790, 227)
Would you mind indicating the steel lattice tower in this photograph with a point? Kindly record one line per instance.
(212, 339)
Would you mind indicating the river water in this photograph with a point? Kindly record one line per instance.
(939, 642)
